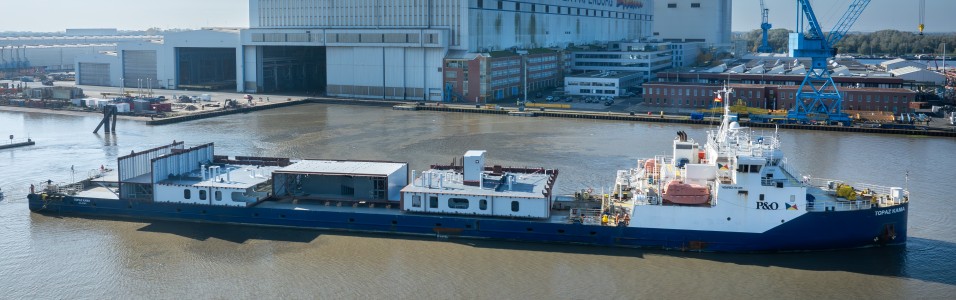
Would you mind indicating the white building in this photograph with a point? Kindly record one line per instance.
(901, 63)
(601, 84)
(190, 59)
(919, 75)
(705, 21)
(684, 54)
(58, 52)
(371, 49)
(646, 59)
(394, 49)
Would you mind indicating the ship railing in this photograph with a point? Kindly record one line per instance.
(830, 185)
(839, 205)
(49, 187)
(587, 216)
(647, 200)
(794, 175)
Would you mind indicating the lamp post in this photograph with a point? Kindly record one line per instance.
(524, 66)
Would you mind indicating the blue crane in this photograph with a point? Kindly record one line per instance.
(765, 25)
(818, 97)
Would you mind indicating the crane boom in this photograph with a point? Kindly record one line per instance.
(816, 31)
(850, 17)
(922, 16)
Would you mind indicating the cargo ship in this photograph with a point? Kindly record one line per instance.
(736, 193)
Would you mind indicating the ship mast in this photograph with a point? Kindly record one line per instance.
(724, 95)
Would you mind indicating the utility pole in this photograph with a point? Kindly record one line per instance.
(524, 58)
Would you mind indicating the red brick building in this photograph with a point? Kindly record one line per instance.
(697, 96)
(499, 75)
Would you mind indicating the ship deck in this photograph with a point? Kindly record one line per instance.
(98, 193)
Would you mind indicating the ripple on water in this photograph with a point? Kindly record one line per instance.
(52, 257)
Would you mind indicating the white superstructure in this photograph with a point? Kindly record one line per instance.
(476, 190)
(736, 182)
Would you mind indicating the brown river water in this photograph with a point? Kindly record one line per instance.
(49, 257)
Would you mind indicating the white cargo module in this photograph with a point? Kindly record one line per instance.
(496, 191)
(333, 180)
(474, 163)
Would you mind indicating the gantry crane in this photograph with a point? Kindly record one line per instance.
(765, 25)
(922, 16)
(818, 96)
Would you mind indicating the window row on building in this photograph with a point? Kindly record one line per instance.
(505, 81)
(458, 203)
(545, 74)
(505, 63)
(773, 97)
(505, 72)
(559, 10)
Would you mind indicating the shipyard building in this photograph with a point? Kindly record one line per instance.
(772, 83)
(377, 49)
(37, 54)
(704, 21)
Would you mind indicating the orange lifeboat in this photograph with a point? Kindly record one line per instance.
(677, 192)
(651, 166)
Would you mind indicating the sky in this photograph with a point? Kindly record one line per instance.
(901, 15)
(57, 15)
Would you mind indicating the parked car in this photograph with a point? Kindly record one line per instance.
(550, 99)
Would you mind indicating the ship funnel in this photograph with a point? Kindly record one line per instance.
(202, 170)
(414, 179)
(228, 179)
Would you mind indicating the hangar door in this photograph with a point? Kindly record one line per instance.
(94, 74)
(139, 66)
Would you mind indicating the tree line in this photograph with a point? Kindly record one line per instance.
(884, 42)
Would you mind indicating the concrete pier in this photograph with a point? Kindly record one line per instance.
(28, 142)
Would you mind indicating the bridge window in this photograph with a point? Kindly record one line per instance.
(416, 201)
(483, 204)
(186, 194)
(433, 202)
(218, 195)
(458, 203)
(202, 194)
(515, 206)
(761, 197)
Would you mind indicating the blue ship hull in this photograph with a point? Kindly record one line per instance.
(812, 231)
